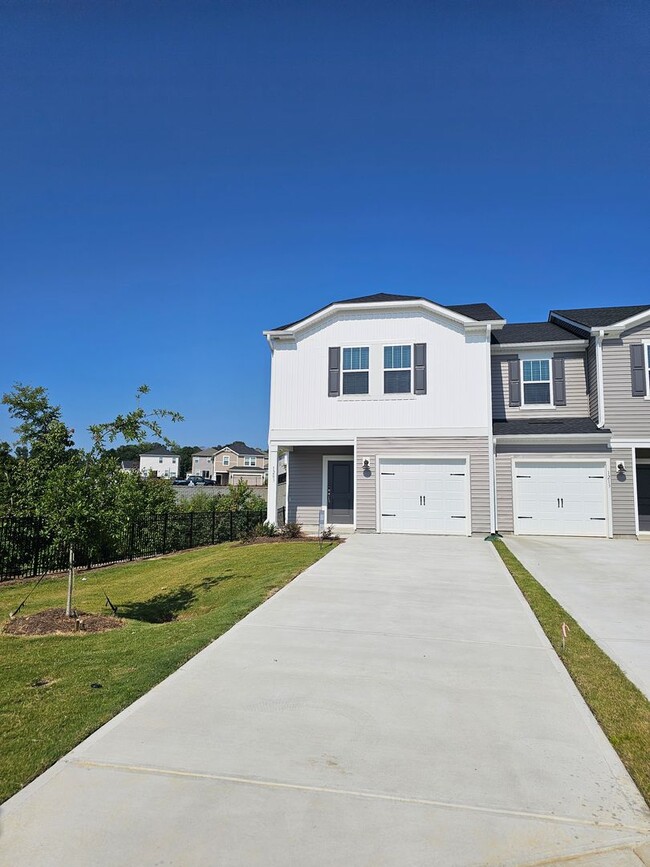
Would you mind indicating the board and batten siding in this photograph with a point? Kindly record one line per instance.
(368, 448)
(577, 399)
(626, 416)
(622, 486)
(306, 481)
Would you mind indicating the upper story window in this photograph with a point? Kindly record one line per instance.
(160, 460)
(397, 369)
(250, 462)
(536, 374)
(355, 369)
(226, 460)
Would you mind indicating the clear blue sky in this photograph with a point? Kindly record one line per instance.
(176, 177)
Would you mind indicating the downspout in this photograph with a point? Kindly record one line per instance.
(491, 454)
(600, 386)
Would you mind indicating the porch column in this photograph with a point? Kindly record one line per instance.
(272, 489)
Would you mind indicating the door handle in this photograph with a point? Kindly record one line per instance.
(423, 501)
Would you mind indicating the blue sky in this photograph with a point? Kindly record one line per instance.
(176, 177)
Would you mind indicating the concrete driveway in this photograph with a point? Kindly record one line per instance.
(395, 705)
(605, 585)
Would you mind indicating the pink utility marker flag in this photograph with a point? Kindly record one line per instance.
(565, 634)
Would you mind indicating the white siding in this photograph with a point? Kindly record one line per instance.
(167, 467)
(456, 399)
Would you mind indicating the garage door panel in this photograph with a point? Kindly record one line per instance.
(424, 495)
(560, 498)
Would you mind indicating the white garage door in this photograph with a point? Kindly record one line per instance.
(560, 499)
(424, 495)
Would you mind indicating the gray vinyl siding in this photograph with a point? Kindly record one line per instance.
(592, 374)
(623, 505)
(411, 447)
(577, 399)
(625, 415)
(306, 481)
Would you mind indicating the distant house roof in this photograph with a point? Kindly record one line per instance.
(247, 470)
(547, 426)
(531, 332)
(479, 312)
(130, 465)
(600, 317)
(240, 448)
(157, 452)
(205, 453)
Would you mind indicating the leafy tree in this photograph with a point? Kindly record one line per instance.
(185, 458)
(240, 498)
(81, 495)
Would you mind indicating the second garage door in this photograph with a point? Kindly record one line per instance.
(424, 495)
(560, 498)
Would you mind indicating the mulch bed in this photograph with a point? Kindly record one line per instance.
(54, 622)
(265, 540)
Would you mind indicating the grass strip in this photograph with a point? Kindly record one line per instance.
(621, 709)
(172, 607)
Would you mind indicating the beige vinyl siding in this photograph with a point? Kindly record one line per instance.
(625, 415)
(412, 447)
(592, 379)
(623, 506)
(577, 400)
(306, 481)
(623, 500)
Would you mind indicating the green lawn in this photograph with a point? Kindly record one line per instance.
(621, 709)
(205, 590)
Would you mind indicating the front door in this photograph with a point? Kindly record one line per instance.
(643, 496)
(340, 492)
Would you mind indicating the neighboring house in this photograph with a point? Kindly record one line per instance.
(398, 414)
(130, 466)
(237, 461)
(161, 462)
(203, 463)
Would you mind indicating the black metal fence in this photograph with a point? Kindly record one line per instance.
(26, 548)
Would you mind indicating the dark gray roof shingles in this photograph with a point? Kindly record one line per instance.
(480, 312)
(600, 317)
(531, 332)
(517, 427)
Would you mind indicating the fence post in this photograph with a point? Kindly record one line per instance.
(191, 540)
(213, 520)
(231, 535)
(164, 544)
(37, 539)
(131, 538)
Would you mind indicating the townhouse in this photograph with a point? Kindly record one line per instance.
(398, 414)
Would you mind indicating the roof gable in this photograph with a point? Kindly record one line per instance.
(600, 317)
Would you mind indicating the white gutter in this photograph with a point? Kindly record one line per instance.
(553, 439)
(491, 449)
(599, 378)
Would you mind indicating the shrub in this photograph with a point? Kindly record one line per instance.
(268, 528)
(291, 530)
(328, 533)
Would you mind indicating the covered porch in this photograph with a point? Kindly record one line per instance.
(319, 479)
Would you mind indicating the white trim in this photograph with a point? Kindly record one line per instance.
(537, 357)
(324, 473)
(600, 385)
(551, 345)
(346, 437)
(631, 443)
(491, 450)
(425, 457)
(554, 439)
(614, 328)
(531, 459)
(634, 493)
(379, 306)
(584, 328)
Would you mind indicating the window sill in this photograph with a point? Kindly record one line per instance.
(382, 397)
(535, 406)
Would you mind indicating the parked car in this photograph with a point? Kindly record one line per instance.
(198, 480)
(180, 482)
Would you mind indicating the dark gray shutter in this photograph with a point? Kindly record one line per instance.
(637, 363)
(559, 383)
(334, 375)
(514, 377)
(420, 368)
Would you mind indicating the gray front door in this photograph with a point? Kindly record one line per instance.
(340, 492)
(643, 495)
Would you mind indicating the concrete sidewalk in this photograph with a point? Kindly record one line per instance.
(605, 585)
(397, 704)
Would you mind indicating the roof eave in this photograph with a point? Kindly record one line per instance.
(539, 344)
(553, 438)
